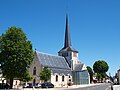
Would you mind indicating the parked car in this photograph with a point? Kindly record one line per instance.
(37, 85)
(27, 85)
(4, 86)
(30, 85)
(47, 85)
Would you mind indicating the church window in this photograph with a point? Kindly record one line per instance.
(63, 78)
(34, 71)
(69, 76)
(56, 78)
(16, 83)
(34, 81)
(65, 54)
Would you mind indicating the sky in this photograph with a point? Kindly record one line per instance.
(94, 26)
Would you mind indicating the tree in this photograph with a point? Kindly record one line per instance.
(100, 67)
(45, 74)
(90, 73)
(26, 77)
(16, 54)
(99, 76)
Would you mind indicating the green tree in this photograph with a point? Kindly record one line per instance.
(16, 54)
(100, 67)
(90, 73)
(26, 77)
(99, 76)
(45, 74)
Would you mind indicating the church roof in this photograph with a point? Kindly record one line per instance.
(67, 43)
(68, 49)
(52, 61)
(78, 67)
(61, 71)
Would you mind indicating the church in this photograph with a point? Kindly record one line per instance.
(65, 68)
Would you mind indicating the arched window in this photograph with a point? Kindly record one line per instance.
(69, 77)
(34, 71)
(56, 78)
(16, 83)
(34, 81)
(63, 78)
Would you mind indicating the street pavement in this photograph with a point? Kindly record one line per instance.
(92, 87)
(100, 86)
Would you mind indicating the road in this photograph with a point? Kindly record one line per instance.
(102, 86)
(96, 87)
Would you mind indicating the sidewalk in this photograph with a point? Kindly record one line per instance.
(116, 87)
(85, 85)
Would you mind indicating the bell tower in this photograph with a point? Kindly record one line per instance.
(68, 52)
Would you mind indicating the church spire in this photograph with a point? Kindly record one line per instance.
(67, 42)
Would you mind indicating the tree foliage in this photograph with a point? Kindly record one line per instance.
(99, 76)
(90, 73)
(100, 66)
(45, 74)
(27, 77)
(16, 54)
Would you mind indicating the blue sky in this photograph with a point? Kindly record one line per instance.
(94, 26)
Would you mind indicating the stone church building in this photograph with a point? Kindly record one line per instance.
(65, 68)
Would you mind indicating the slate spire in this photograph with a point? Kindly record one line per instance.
(67, 42)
